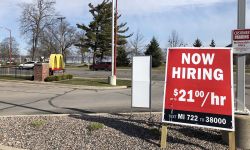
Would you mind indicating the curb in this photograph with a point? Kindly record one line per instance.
(82, 87)
(90, 114)
(2, 147)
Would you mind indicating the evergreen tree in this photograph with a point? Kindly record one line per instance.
(197, 43)
(122, 59)
(212, 44)
(98, 32)
(154, 50)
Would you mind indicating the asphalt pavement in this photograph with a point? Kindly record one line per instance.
(18, 98)
(28, 99)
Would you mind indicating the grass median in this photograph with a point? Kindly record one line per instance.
(94, 82)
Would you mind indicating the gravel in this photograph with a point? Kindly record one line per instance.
(119, 132)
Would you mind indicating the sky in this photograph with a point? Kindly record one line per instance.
(192, 19)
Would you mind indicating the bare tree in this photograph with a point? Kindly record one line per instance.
(35, 17)
(69, 38)
(136, 44)
(174, 40)
(81, 45)
(48, 42)
(5, 49)
(52, 38)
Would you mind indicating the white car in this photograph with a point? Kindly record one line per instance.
(28, 65)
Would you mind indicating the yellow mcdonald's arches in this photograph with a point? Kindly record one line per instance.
(56, 62)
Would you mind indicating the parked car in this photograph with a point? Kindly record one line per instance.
(28, 65)
(101, 66)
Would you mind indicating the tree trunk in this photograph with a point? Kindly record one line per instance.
(82, 60)
(33, 49)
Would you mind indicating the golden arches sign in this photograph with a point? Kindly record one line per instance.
(56, 62)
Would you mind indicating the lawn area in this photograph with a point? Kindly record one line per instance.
(95, 82)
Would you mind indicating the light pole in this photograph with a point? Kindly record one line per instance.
(112, 78)
(10, 43)
(116, 36)
(62, 38)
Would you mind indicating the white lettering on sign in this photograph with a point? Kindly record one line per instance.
(196, 58)
(240, 37)
(241, 32)
(197, 73)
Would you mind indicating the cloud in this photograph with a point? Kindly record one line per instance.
(205, 19)
(203, 22)
(145, 7)
(76, 11)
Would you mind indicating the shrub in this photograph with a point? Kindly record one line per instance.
(95, 126)
(155, 131)
(49, 79)
(38, 123)
(58, 77)
(63, 77)
(69, 76)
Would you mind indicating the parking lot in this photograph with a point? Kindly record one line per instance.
(36, 98)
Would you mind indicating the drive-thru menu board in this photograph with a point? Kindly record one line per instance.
(199, 88)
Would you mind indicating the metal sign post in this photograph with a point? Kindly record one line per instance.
(241, 60)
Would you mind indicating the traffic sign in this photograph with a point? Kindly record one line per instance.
(199, 88)
(241, 41)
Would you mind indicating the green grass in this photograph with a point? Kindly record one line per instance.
(38, 123)
(162, 67)
(95, 82)
(94, 126)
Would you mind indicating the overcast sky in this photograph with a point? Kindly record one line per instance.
(205, 19)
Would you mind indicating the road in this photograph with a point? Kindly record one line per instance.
(27, 99)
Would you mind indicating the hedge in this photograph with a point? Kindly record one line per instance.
(58, 77)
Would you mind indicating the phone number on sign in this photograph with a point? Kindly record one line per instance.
(195, 118)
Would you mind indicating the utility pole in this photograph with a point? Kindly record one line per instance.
(62, 38)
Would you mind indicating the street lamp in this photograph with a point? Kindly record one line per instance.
(112, 78)
(10, 43)
(62, 38)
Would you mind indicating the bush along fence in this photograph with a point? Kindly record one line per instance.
(58, 77)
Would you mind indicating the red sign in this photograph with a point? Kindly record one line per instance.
(241, 41)
(239, 35)
(199, 87)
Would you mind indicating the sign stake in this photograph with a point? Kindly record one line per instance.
(231, 140)
(164, 132)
